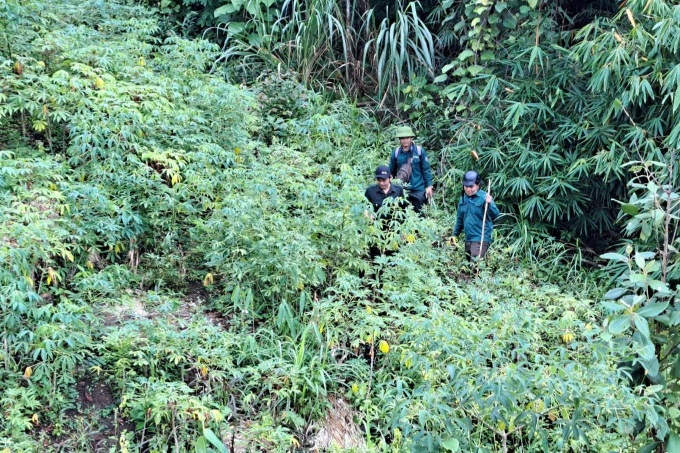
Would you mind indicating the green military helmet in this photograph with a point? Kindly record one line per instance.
(405, 132)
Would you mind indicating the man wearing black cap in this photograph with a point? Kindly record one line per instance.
(377, 194)
(384, 188)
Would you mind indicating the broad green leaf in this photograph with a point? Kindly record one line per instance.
(613, 306)
(653, 309)
(464, 55)
(659, 286)
(673, 444)
(636, 277)
(652, 389)
(449, 66)
(641, 325)
(488, 55)
(615, 293)
(475, 69)
(225, 9)
(619, 324)
(440, 78)
(451, 445)
(212, 438)
(532, 3)
(614, 256)
(200, 445)
(674, 318)
(630, 209)
(649, 448)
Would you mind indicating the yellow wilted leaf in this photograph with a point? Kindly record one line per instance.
(536, 406)
(18, 68)
(39, 125)
(384, 346)
(52, 276)
(217, 415)
(208, 280)
(618, 37)
(142, 61)
(408, 363)
(369, 310)
(501, 426)
(552, 416)
(237, 150)
(567, 337)
(410, 238)
(355, 388)
(28, 279)
(204, 370)
(99, 83)
(28, 372)
(90, 265)
(294, 442)
(6, 450)
(631, 18)
(35, 418)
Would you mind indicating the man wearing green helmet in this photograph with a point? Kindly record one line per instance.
(410, 164)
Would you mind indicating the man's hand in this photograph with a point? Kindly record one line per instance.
(428, 192)
(488, 198)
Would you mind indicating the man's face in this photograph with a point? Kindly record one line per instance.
(406, 142)
(470, 191)
(384, 184)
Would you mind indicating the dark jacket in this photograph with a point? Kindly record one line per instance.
(470, 216)
(421, 178)
(376, 196)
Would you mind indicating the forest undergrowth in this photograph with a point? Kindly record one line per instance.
(185, 267)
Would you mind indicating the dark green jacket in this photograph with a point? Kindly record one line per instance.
(421, 177)
(470, 215)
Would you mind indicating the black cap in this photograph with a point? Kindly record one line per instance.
(382, 172)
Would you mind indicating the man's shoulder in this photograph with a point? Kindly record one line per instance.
(371, 189)
(398, 190)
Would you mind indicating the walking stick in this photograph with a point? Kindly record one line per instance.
(486, 207)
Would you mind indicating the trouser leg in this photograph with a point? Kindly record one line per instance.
(417, 200)
(472, 249)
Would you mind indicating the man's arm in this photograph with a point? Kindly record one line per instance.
(427, 173)
(458, 227)
(493, 211)
(393, 165)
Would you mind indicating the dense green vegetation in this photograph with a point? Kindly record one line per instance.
(184, 251)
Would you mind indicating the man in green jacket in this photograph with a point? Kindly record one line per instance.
(471, 215)
(419, 176)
